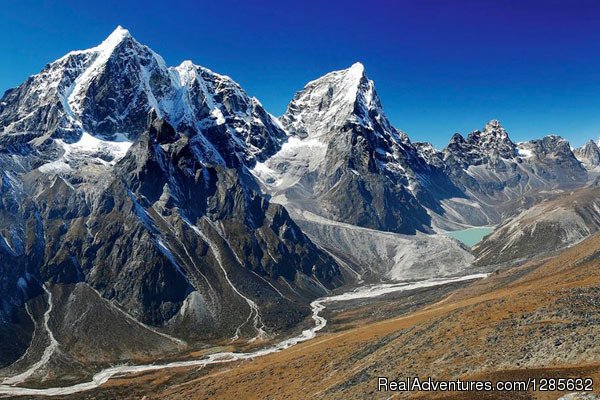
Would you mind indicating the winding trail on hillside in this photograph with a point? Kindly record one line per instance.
(317, 307)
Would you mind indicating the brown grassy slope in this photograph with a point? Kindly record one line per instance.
(541, 319)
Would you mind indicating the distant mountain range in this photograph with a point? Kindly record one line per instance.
(168, 198)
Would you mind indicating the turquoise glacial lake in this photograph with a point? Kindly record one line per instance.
(470, 236)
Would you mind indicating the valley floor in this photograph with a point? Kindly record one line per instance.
(539, 319)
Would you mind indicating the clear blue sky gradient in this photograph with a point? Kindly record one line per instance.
(439, 66)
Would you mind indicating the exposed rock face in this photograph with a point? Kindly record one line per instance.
(199, 219)
(543, 228)
(108, 90)
(492, 153)
(165, 238)
(481, 147)
(128, 177)
(589, 154)
(346, 162)
(499, 178)
(556, 161)
(430, 154)
(104, 90)
(342, 160)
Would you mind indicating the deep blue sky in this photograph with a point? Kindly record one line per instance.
(439, 66)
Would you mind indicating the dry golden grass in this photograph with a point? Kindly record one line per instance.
(478, 332)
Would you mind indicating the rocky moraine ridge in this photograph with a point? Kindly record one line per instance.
(172, 203)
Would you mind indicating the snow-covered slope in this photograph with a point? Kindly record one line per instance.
(486, 146)
(70, 94)
(589, 155)
(98, 187)
(335, 100)
(108, 90)
(345, 161)
(499, 178)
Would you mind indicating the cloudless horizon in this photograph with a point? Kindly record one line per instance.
(439, 67)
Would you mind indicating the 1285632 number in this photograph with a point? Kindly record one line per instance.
(565, 384)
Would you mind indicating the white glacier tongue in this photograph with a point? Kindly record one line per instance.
(524, 150)
(88, 149)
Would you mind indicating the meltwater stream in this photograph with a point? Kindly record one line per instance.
(317, 307)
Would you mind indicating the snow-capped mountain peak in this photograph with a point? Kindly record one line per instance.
(186, 71)
(346, 81)
(481, 146)
(342, 146)
(493, 131)
(116, 37)
(107, 91)
(326, 102)
(358, 69)
(588, 154)
(119, 50)
(493, 139)
(104, 90)
(351, 79)
(494, 127)
(335, 101)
